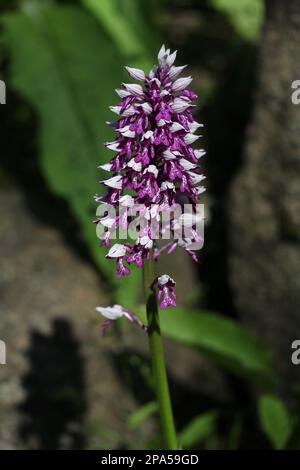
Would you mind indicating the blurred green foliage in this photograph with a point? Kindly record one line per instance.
(223, 340)
(128, 23)
(197, 430)
(56, 69)
(139, 416)
(275, 421)
(245, 15)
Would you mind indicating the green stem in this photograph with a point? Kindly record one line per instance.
(157, 358)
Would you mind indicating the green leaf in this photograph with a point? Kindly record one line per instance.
(128, 28)
(142, 414)
(55, 68)
(275, 420)
(198, 430)
(64, 64)
(245, 15)
(234, 433)
(222, 339)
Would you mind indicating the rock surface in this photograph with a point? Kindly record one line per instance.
(264, 209)
(55, 351)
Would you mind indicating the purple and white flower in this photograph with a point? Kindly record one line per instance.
(154, 161)
(116, 311)
(165, 291)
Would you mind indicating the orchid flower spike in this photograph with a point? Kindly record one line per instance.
(154, 161)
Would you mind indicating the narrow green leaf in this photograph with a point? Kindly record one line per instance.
(142, 414)
(222, 339)
(197, 430)
(246, 16)
(275, 420)
(234, 433)
(112, 19)
(127, 27)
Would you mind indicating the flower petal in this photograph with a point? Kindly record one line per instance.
(105, 167)
(134, 89)
(193, 126)
(199, 153)
(180, 105)
(126, 132)
(171, 58)
(122, 93)
(145, 107)
(115, 109)
(113, 146)
(151, 169)
(176, 127)
(114, 182)
(112, 313)
(187, 165)
(181, 83)
(175, 71)
(116, 251)
(134, 165)
(165, 279)
(191, 138)
(136, 74)
(126, 200)
(116, 311)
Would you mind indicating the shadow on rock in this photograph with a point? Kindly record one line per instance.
(54, 408)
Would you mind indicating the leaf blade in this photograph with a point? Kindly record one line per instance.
(275, 421)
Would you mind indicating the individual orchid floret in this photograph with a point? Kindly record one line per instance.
(165, 291)
(154, 163)
(116, 311)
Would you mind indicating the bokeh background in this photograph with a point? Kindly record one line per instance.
(229, 344)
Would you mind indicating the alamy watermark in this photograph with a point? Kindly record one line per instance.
(2, 352)
(2, 92)
(295, 97)
(181, 222)
(295, 357)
